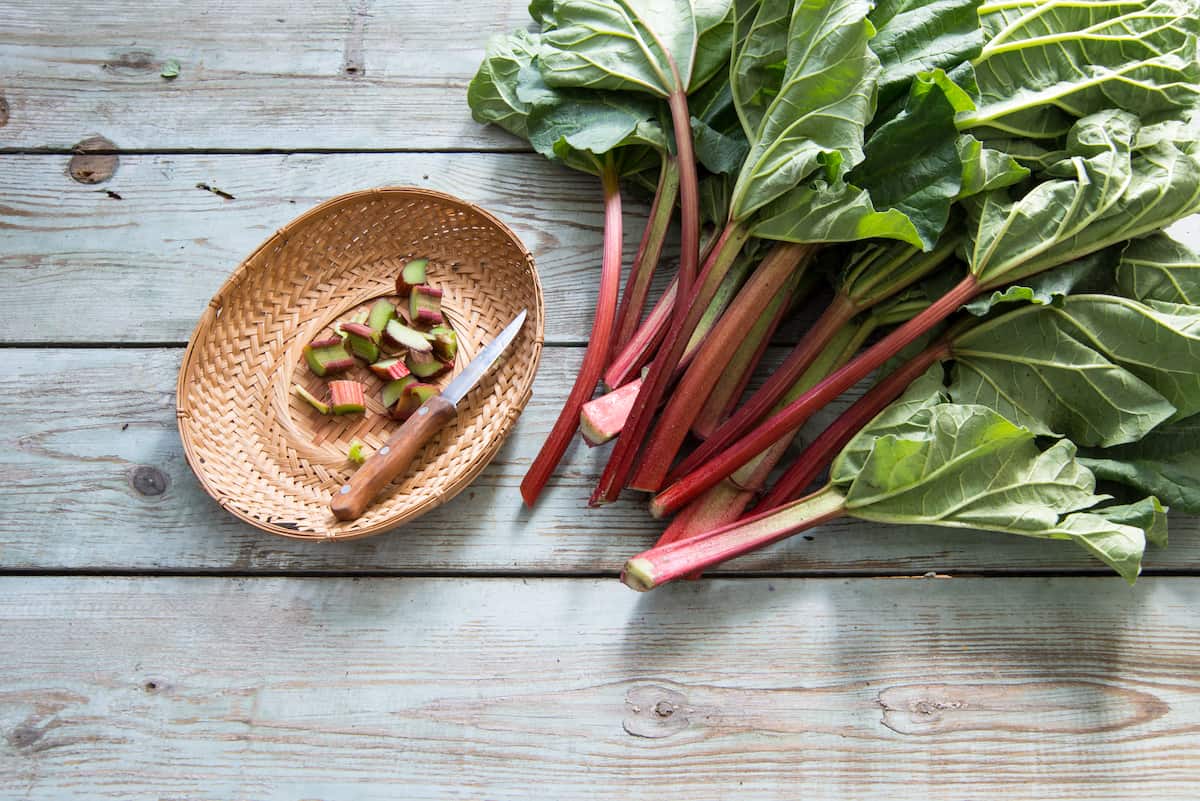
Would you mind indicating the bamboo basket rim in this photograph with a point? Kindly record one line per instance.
(454, 484)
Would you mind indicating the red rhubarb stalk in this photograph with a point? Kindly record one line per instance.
(794, 415)
(775, 271)
(699, 553)
(621, 461)
(817, 456)
(598, 344)
(637, 286)
(746, 356)
(837, 314)
(640, 347)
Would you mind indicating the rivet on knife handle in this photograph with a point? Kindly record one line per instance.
(392, 459)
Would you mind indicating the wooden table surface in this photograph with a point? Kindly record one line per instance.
(153, 647)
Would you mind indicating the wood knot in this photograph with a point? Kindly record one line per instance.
(131, 62)
(653, 711)
(94, 161)
(24, 736)
(148, 480)
(3, 111)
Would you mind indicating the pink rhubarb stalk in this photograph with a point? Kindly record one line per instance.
(640, 348)
(658, 378)
(598, 344)
(794, 415)
(714, 355)
(837, 314)
(699, 553)
(637, 286)
(822, 451)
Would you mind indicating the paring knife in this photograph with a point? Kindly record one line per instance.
(402, 447)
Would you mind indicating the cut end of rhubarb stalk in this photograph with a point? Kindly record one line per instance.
(411, 398)
(445, 342)
(347, 397)
(402, 336)
(390, 369)
(657, 510)
(425, 305)
(603, 418)
(363, 340)
(382, 312)
(328, 357)
(639, 575)
(411, 275)
(424, 364)
(303, 393)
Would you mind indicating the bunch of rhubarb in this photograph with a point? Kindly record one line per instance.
(984, 179)
(405, 344)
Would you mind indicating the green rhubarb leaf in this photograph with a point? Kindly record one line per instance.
(1158, 342)
(629, 45)
(1092, 273)
(916, 36)
(717, 134)
(912, 162)
(715, 193)
(1036, 367)
(580, 127)
(907, 418)
(985, 169)
(1047, 64)
(1118, 545)
(1010, 239)
(1159, 268)
(838, 212)
(493, 92)
(816, 121)
(970, 467)
(759, 58)
(1148, 514)
(1164, 463)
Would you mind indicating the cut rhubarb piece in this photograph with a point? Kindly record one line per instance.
(411, 275)
(357, 451)
(363, 340)
(390, 369)
(401, 336)
(602, 418)
(328, 356)
(393, 389)
(425, 305)
(411, 399)
(445, 342)
(347, 397)
(359, 317)
(424, 364)
(301, 392)
(382, 312)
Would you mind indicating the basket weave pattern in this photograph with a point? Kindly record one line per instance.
(269, 457)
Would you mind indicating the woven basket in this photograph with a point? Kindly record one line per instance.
(271, 459)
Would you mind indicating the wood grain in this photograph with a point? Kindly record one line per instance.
(272, 74)
(144, 266)
(208, 688)
(95, 479)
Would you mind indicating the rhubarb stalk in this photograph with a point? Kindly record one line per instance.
(875, 274)
(822, 450)
(776, 270)
(598, 343)
(641, 345)
(695, 554)
(637, 286)
(794, 415)
(654, 385)
(728, 501)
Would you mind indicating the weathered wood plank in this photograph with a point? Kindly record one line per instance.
(143, 267)
(572, 689)
(358, 75)
(95, 479)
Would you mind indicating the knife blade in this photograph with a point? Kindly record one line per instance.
(394, 457)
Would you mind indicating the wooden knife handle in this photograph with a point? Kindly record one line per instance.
(392, 459)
